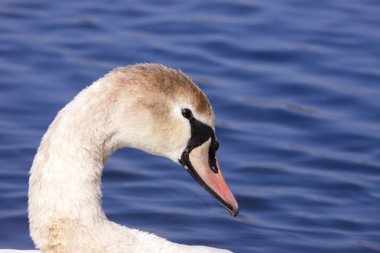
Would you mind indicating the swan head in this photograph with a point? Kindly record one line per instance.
(161, 111)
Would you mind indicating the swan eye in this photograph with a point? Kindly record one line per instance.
(187, 113)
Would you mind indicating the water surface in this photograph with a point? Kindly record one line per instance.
(295, 88)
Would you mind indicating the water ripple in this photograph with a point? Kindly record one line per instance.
(294, 86)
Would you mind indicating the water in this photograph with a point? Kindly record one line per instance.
(295, 88)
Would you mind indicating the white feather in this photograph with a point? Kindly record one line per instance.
(65, 212)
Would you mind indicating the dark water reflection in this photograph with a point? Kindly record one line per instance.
(295, 88)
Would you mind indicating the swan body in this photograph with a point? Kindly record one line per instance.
(147, 106)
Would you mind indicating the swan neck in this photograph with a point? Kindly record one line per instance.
(65, 175)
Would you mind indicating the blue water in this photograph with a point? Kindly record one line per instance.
(295, 86)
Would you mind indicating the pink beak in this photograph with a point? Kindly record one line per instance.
(212, 181)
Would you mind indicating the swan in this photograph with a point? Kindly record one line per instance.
(146, 106)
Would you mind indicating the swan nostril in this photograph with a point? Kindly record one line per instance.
(213, 167)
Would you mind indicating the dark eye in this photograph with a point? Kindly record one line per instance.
(187, 113)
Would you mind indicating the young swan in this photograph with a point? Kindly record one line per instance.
(149, 107)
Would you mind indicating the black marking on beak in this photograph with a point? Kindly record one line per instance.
(212, 160)
(200, 133)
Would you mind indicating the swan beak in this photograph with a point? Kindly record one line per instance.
(211, 179)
